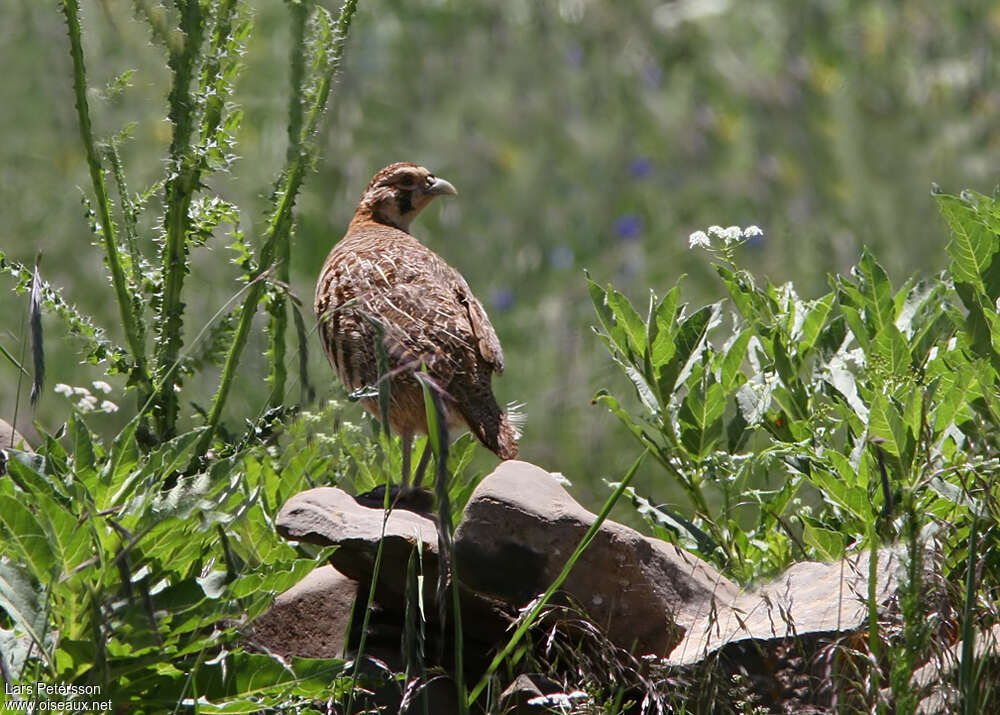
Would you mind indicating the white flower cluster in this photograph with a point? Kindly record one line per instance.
(728, 235)
(86, 401)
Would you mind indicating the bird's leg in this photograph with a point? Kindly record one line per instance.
(425, 457)
(407, 441)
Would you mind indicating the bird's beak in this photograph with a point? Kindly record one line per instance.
(440, 187)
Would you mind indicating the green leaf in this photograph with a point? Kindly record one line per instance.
(25, 536)
(664, 319)
(886, 423)
(606, 315)
(879, 306)
(972, 245)
(891, 347)
(26, 605)
(815, 321)
(829, 544)
(626, 316)
(701, 418)
(689, 342)
(731, 375)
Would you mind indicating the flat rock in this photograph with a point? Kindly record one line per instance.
(809, 598)
(519, 528)
(310, 619)
(330, 516)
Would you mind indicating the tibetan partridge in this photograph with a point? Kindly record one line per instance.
(379, 279)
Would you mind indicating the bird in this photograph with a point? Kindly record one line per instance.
(380, 283)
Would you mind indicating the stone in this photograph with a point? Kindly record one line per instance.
(310, 619)
(519, 528)
(330, 516)
(10, 438)
(810, 597)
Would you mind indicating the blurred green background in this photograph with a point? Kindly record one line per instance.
(580, 134)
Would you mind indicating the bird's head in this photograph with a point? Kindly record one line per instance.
(399, 192)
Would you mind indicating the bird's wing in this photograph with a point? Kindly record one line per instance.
(487, 342)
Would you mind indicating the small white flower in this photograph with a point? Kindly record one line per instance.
(699, 238)
(81, 391)
(88, 403)
(109, 406)
(732, 233)
(751, 231)
(101, 386)
(62, 388)
(717, 231)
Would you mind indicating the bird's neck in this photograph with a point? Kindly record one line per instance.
(368, 215)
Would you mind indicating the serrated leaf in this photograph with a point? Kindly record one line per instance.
(25, 537)
(886, 423)
(891, 347)
(664, 317)
(829, 544)
(879, 305)
(815, 321)
(626, 316)
(701, 419)
(731, 374)
(972, 245)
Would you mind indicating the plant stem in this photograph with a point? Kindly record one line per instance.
(277, 305)
(280, 221)
(179, 191)
(134, 333)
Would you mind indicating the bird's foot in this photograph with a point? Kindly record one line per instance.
(415, 499)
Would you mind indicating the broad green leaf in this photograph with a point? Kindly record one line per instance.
(124, 455)
(892, 351)
(814, 323)
(886, 423)
(606, 315)
(829, 544)
(629, 319)
(856, 323)
(731, 375)
(701, 418)
(26, 605)
(664, 317)
(83, 445)
(690, 343)
(972, 245)
(879, 305)
(25, 537)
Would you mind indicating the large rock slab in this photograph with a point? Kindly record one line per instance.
(519, 528)
(331, 517)
(809, 598)
(310, 619)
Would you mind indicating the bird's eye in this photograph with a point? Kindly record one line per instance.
(407, 182)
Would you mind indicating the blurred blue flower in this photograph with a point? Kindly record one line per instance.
(502, 298)
(628, 227)
(561, 256)
(640, 168)
(651, 75)
(574, 56)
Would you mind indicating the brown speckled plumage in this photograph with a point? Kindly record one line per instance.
(425, 308)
